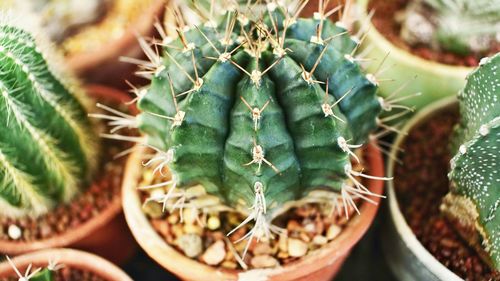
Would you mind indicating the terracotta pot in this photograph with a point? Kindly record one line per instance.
(321, 264)
(407, 257)
(103, 66)
(67, 257)
(434, 80)
(105, 234)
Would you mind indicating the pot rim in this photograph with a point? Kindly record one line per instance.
(407, 58)
(82, 62)
(73, 235)
(177, 263)
(69, 257)
(402, 228)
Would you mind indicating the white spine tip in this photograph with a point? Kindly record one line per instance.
(484, 130)
(462, 149)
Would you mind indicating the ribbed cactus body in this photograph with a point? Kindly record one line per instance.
(47, 147)
(255, 116)
(475, 169)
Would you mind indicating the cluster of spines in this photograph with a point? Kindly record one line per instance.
(39, 274)
(475, 169)
(208, 134)
(47, 147)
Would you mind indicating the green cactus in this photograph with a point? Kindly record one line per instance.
(474, 198)
(40, 274)
(47, 145)
(459, 26)
(260, 113)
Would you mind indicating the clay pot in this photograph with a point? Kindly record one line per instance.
(103, 66)
(105, 234)
(321, 264)
(71, 258)
(432, 79)
(408, 259)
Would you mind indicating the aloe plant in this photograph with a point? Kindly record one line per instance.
(474, 199)
(460, 26)
(47, 145)
(259, 113)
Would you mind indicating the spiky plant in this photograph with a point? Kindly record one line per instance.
(39, 274)
(47, 145)
(460, 26)
(259, 113)
(474, 199)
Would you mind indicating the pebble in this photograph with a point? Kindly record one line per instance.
(296, 247)
(263, 261)
(177, 230)
(173, 218)
(262, 249)
(213, 223)
(189, 215)
(152, 209)
(14, 232)
(319, 240)
(192, 229)
(190, 244)
(215, 253)
(333, 231)
(229, 264)
(283, 243)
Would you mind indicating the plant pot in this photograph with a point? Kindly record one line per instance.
(321, 264)
(103, 66)
(70, 258)
(406, 256)
(105, 234)
(432, 79)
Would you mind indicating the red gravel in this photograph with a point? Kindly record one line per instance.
(421, 182)
(383, 20)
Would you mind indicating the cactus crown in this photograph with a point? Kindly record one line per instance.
(475, 169)
(459, 26)
(259, 112)
(47, 147)
(39, 274)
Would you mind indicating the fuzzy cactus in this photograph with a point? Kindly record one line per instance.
(474, 199)
(459, 26)
(259, 112)
(47, 146)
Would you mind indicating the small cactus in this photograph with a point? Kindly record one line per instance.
(459, 26)
(47, 145)
(259, 112)
(39, 274)
(474, 198)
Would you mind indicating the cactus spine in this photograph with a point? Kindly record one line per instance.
(260, 113)
(459, 26)
(474, 198)
(47, 146)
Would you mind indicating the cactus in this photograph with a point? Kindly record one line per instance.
(474, 198)
(260, 113)
(47, 145)
(459, 26)
(39, 274)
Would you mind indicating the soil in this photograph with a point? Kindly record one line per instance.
(307, 228)
(421, 182)
(85, 206)
(383, 20)
(67, 274)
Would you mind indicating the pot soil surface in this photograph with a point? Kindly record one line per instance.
(384, 21)
(100, 194)
(203, 237)
(421, 182)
